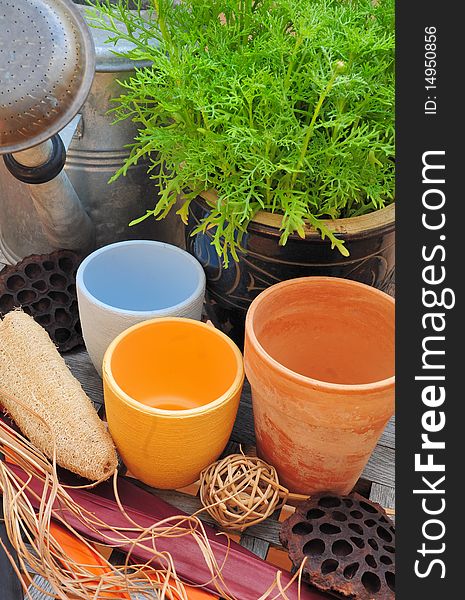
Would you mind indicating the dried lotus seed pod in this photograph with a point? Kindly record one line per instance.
(44, 286)
(349, 544)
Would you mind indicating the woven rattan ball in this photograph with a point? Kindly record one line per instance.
(239, 491)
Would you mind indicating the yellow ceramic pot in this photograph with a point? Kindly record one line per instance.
(172, 388)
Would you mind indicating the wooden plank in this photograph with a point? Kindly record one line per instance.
(10, 583)
(267, 531)
(184, 502)
(243, 431)
(388, 437)
(258, 539)
(82, 368)
(255, 545)
(234, 448)
(363, 487)
(381, 466)
(36, 594)
(43, 584)
(384, 495)
(244, 428)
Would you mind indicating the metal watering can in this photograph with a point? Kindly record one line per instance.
(57, 78)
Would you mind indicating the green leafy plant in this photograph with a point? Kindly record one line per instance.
(278, 105)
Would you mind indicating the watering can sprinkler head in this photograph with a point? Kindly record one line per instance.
(45, 77)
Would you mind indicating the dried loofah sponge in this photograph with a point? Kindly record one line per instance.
(33, 373)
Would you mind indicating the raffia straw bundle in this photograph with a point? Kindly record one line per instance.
(32, 368)
(37, 549)
(29, 532)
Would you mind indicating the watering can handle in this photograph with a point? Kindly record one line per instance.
(64, 221)
(42, 173)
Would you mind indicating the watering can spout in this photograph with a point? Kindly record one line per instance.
(63, 218)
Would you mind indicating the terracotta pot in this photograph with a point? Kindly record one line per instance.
(172, 388)
(319, 355)
(370, 240)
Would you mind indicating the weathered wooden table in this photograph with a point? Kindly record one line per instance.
(377, 482)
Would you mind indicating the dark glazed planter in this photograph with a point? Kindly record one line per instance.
(370, 240)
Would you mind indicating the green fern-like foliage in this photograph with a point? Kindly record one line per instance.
(282, 105)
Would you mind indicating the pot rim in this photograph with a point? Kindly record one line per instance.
(161, 412)
(293, 375)
(351, 226)
(198, 291)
